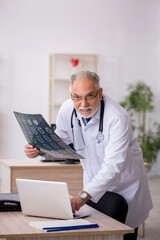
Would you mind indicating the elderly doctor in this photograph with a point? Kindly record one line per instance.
(101, 132)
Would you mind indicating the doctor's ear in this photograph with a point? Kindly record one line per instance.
(100, 93)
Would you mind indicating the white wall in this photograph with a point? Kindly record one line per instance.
(126, 34)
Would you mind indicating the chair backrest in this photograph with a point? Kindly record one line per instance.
(113, 205)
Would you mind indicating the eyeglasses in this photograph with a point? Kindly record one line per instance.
(88, 97)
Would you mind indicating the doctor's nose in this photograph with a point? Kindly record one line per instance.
(84, 103)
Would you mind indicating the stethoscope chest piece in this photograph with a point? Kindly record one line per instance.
(100, 137)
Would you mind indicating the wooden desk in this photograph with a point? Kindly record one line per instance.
(15, 225)
(35, 169)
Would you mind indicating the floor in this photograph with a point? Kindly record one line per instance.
(152, 224)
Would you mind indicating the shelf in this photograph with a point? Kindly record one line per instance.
(55, 104)
(62, 80)
(60, 72)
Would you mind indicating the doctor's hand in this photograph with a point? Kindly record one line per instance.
(76, 203)
(31, 152)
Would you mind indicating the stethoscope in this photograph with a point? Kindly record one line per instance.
(100, 136)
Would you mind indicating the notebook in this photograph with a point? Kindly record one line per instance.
(45, 199)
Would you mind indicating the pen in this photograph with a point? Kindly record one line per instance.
(52, 229)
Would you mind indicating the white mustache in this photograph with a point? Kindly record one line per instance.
(85, 108)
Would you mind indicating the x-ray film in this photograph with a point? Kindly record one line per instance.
(38, 133)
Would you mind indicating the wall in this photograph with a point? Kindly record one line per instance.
(125, 33)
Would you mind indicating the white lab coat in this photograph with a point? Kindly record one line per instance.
(116, 163)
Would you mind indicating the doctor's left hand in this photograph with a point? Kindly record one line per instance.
(76, 203)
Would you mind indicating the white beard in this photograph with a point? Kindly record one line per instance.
(87, 108)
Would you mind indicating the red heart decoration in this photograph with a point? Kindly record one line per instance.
(74, 62)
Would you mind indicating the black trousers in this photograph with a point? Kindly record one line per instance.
(115, 206)
(131, 236)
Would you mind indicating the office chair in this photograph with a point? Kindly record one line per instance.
(113, 205)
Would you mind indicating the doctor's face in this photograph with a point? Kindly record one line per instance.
(86, 97)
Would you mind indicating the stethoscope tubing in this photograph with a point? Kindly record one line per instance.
(101, 116)
(100, 133)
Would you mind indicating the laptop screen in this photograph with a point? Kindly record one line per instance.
(44, 198)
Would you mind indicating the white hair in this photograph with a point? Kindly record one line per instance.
(87, 75)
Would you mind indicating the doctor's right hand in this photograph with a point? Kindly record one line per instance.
(31, 152)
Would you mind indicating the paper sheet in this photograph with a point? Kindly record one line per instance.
(59, 223)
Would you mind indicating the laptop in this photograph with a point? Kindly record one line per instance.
(45, 199)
